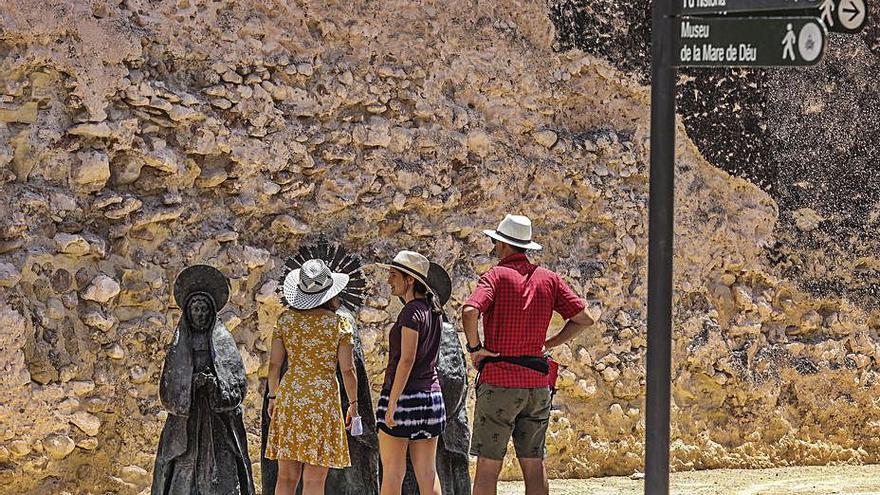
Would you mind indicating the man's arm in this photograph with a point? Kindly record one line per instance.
(469, 318)
(574, 326)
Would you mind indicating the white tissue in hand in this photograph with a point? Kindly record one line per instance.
(356, 427)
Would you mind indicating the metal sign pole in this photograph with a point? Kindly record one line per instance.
(708, 37)
(660, 235)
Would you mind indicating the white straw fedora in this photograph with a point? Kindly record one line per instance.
(312, 285)
(413, 264)
(515, 230)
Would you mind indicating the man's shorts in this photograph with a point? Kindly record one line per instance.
(502, 411)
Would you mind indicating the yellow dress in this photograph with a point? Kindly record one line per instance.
(308, 424)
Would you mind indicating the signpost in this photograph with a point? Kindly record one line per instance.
(708, 33)
(690, 7)
(751, 41)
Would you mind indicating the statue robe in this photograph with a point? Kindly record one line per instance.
(203, 446)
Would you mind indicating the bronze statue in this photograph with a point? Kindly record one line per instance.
(203, 446)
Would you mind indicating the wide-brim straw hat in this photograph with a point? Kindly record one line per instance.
(430, 274)
(515, 230)
(440, 283)
(312, 285)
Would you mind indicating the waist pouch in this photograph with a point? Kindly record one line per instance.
(543, 365)
(537, 363)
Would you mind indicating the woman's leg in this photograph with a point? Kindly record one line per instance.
(313, 479)
(392, 451)
(423, 454)
(288, 477)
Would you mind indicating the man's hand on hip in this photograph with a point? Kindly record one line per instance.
(478, 356)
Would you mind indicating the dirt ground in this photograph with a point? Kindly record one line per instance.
(822, 480)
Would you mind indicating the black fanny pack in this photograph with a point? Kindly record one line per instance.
(536, 363)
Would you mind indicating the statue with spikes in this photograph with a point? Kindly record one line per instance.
(362, 478)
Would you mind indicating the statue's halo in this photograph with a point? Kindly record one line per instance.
(202, 278)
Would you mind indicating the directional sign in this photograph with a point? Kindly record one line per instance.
(686, 7)
(844, 16)
(748, 41)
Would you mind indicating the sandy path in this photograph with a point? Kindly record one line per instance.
(823, 480)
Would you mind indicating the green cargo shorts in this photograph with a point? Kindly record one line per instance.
(502, 411)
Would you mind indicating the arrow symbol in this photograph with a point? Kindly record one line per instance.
(852, 8)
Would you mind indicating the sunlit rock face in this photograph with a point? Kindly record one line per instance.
(793, 332)
(806, 136)
(139, 137)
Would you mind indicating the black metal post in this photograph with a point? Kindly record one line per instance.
(660, 236)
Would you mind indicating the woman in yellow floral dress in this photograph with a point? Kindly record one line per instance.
(307, 432)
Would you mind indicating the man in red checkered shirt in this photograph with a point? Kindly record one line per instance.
(517, 300)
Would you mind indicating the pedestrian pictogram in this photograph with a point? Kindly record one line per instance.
(788, 43)
(827, 9)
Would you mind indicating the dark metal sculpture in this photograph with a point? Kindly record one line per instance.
(203, 446)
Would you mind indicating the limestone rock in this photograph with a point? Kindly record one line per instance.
(91, 171)
(250, 361)
(211, 177)
(87, 422)
(128, 206)
(99, 130)
(88, 443)
(163, 159)
(59, 446)
(255, 257)
(83, 387)
(373, 315)
(135, 475)
(289, 225)
(102, 289)
(99, 320)
(9, 275)
(478, 143)
(545, 138)
(20, 448)
(807, 219)
(116, 352)
(23, 114)
(71, 244)
(138, 374)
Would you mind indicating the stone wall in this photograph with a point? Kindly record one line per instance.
(137, 137)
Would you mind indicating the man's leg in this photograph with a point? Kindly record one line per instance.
(529, 435)
(535, 476)
(494, 415)
(486, 478)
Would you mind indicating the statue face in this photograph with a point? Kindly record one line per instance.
(199, 313)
